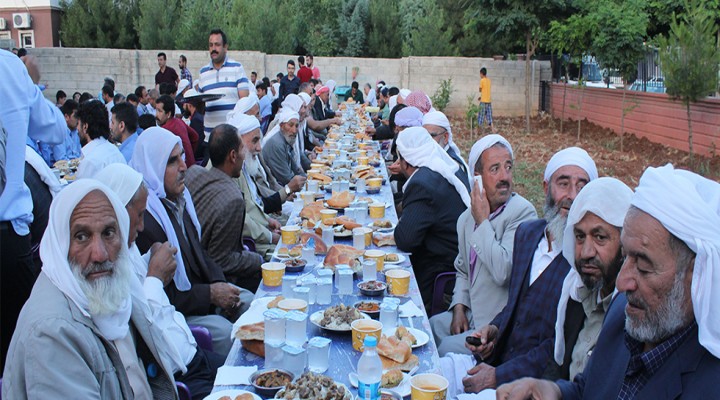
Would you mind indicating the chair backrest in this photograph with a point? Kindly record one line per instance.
(438, 304)
(183, 391)
(203, 337)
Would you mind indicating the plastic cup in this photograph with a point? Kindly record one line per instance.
(295, 359)
(313, 186)
(359, 238)
(369, 270)
(328, 235)
(376, 210)
(274, 355)
(398, 281)
(345, 280)
(326, 215)
(274, 326)
(428, 387)
(288, 284)
(318, 354)
(296, 328)
(362, 328)
(377, 256)
(302, 293)
(272, 273)
(324, 291)
(388, 315)
(290, 234)
(363, 161)
(373, 185)
(307, 197)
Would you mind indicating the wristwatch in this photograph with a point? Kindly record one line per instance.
(287, 190)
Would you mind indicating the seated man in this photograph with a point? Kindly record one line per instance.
(70, 148)
(660, 336)
(221, 208)
(279, 151)
(123, 127)
(83, 332)
(165, 116)
(485, 236)
(193, 366)
(433, 200)
(320, 110)
(518, 342)
(198, 289)
(94, 129)
(439, 127)
(591, 244)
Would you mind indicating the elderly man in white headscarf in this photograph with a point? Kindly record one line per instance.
(280, 149)
(439, 127)
(198, 289)
(660, 338)
(192, 365)
(485, 236)
(433, 199)
(83, 318)
(518, 342)
(591, 245)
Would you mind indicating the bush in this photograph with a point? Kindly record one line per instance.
(471, 112)
(441, 98)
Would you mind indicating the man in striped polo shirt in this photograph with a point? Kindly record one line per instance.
(222, 75)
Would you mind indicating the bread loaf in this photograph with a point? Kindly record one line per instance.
(254, 346)
(383, 239)
(341, 199)
(407, 366)
(343, 254)
(254, 331)
(320, 246)
(394, 349)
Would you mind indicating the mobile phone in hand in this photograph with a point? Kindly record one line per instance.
(472, 340)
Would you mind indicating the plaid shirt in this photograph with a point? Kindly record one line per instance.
(642, 366)
(185, 74)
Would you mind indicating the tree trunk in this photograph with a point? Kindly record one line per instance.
(622, 121)
(528, 43)
(690, 138)
(562, 117)
(582, 92)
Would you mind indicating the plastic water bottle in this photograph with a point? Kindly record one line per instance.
(369, 370)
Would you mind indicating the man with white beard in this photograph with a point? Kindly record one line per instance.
(519, 341)
(83, 333)
(661, 336)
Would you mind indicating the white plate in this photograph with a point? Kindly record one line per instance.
(422, 337)
(403, 389)
(401, 259)
(348, 393)
(318, 315)
(385, 230)
(230, 392)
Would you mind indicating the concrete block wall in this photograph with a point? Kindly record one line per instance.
(76, 69)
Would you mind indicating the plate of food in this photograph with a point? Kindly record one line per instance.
(394, 259)
(284, 253)
(382, 225)
(339, 231)
(232, 394)
(337, 318)
(414, 337)
(394, 380)
(268, 382)
(372, 288)
(314, 386)
(369, 307)
(295, 265)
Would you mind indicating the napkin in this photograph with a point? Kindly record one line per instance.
(487, 394)
(253, 314)
(409, 309)
(227, 375)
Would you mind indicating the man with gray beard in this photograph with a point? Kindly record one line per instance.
(518, 342)
(660, 338)
(84, 333)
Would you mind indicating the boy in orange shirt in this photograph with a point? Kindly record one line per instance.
(485, 104)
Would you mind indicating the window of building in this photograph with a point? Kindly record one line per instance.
(27, 39)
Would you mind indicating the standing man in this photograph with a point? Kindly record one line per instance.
(27, 115)
(289, 84)
(311, 64)
(123, 127)
(660, 338)
(485, 104)
(184, 72)
(305, 74)
(485, 236)
(224, 76)
(194, 109)
(432, 201)
(108, 98)
(165, 73)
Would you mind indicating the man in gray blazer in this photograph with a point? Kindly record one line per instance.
(84, 332)
(485, 240)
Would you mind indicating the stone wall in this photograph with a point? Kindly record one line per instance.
(74, 69)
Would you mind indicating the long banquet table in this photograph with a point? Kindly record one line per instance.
(343, 359)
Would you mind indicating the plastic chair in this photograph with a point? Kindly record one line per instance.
(203, 337)
(183, 391)
(438, 300)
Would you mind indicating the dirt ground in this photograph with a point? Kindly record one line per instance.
(533, 150)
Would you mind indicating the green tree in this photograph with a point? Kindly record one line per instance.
(352, 28)
(520, 19)
(383, 38)
(98, 23)
(262, 26)
(157, 23)
(422, 27)
(690, 57)
(197, 19)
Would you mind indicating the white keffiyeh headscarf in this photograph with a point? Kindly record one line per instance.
(152, 150)
(242, 106)
(688, 206)
(54, 249)
(483, 144)
(244, 123)
(418, 148)
(571, 156)
(438, 118)
(607, 198)
(408, 117)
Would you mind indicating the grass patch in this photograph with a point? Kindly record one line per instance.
(527, 178)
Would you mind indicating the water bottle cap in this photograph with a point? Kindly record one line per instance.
(370, 341)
